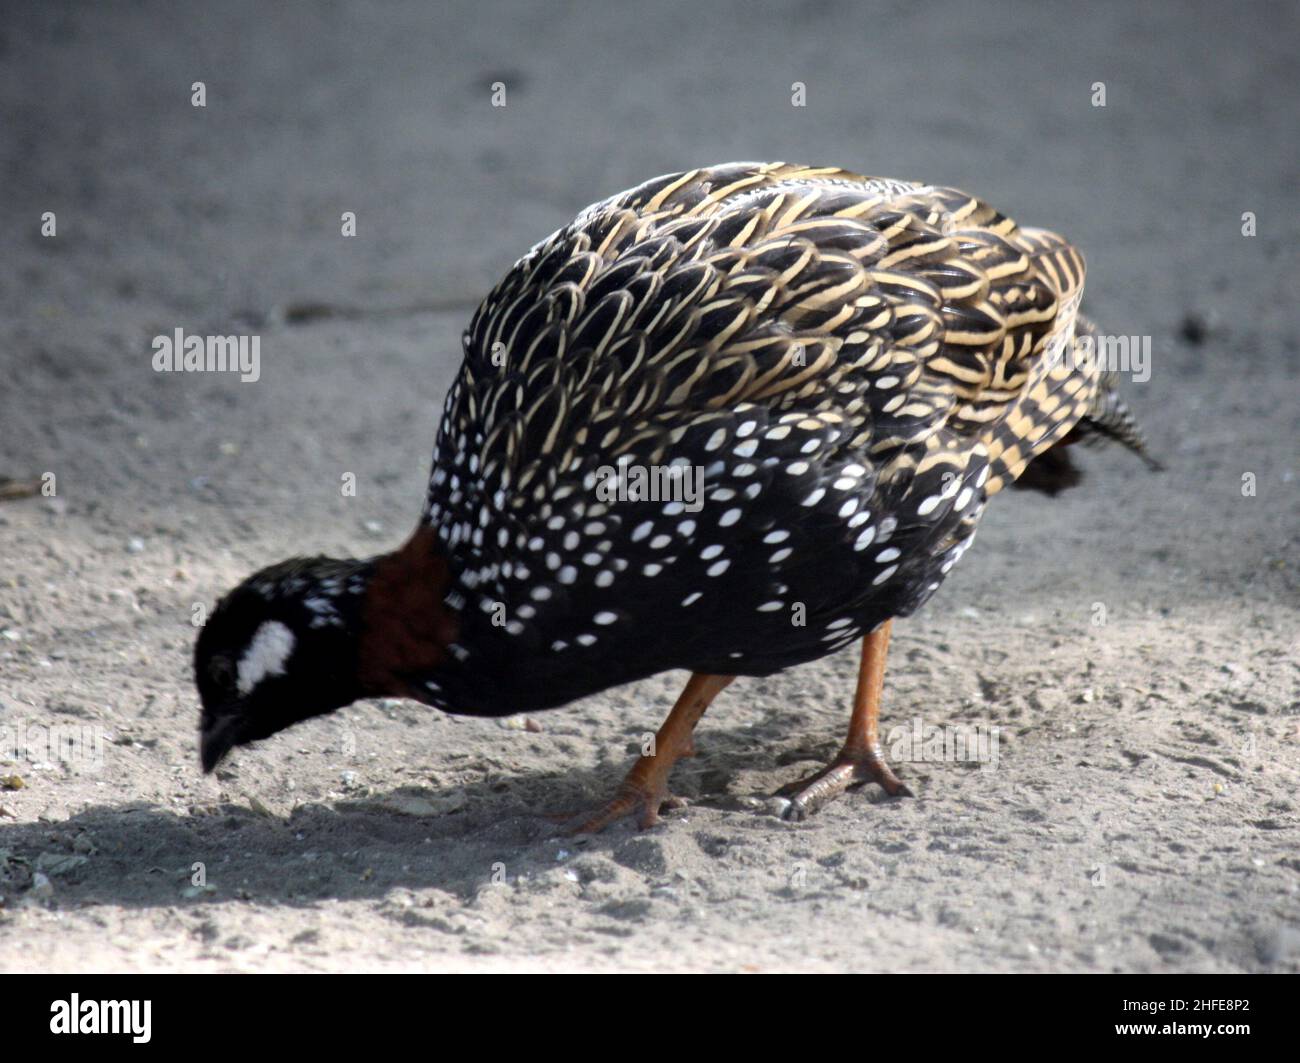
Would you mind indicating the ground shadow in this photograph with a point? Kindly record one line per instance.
(141, 855)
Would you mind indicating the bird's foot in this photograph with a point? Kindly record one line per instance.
(627, 802)
(643, 794)
(850, 769)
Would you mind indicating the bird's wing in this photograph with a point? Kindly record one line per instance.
(916, 312)
(808, 337)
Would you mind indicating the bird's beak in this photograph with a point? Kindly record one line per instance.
(216, 739)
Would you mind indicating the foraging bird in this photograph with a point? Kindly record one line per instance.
(729, 421)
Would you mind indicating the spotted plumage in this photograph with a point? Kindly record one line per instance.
(844, 368)
(855, 364)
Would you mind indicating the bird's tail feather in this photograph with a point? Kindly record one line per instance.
(1108, 417)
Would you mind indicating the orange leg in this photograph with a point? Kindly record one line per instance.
(645, 789)
(860, 760)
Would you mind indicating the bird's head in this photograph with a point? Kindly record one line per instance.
(311, 635)
(281, 647)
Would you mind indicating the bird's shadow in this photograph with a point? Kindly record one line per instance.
(457, 840)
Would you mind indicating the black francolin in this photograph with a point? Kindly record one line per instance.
(729, 422)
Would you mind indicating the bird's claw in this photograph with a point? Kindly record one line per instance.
(629, 801)
(849, 770)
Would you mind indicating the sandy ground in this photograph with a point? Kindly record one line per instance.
(1141, 814)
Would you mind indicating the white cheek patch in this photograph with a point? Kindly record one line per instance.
(265, 655)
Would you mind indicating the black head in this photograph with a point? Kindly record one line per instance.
(281, 647)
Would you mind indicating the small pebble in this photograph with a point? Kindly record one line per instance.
(777, 806)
